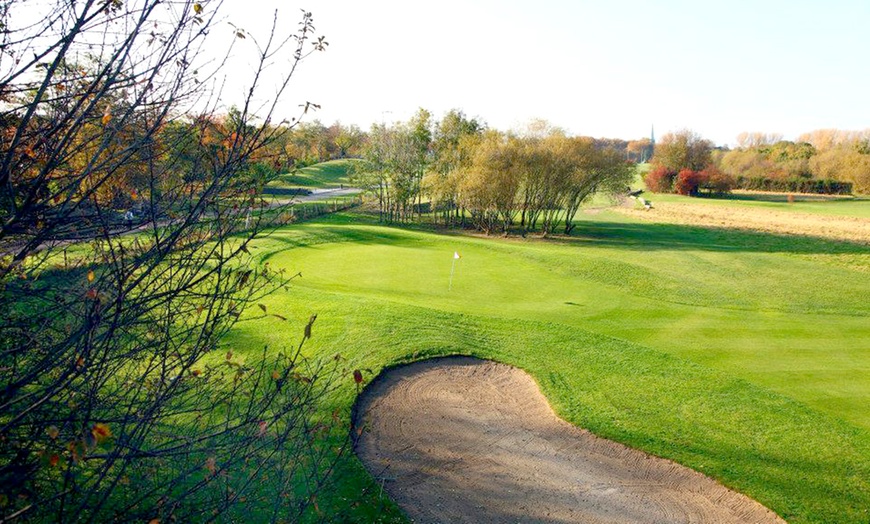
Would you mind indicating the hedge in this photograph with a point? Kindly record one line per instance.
(795, 185)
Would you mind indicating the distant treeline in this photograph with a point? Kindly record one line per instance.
(824, 161)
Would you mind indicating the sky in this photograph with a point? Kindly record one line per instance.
(603, 68)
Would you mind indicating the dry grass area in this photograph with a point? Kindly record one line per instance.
(850, 229)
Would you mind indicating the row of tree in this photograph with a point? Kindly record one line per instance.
(312, 142)
(824, 160)
(496, 181)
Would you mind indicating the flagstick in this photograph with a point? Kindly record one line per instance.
(452, 266)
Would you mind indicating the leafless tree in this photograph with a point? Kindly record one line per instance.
(128, 198)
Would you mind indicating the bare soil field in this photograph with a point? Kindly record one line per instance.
(466, 440)
(850, 229)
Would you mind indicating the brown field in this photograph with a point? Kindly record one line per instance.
(849, 229)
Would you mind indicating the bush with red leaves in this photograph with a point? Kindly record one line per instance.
(660, 179)
(688, 182)
(716, 181)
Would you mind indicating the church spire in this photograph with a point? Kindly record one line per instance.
(652, 144)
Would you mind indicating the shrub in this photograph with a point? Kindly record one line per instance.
(688, 182)
(795, 185)
(716, 181)
(660, 179)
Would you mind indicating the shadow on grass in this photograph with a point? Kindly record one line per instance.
(655, 236)
(639, 236)
(325, 233)
(783, 198)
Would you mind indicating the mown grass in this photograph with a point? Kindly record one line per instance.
(319, 176)
(742, 355)
(857, 206)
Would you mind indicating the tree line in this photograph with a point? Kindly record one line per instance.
(823, 161)
(466, 174)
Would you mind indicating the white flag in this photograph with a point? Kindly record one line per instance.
(456, 254)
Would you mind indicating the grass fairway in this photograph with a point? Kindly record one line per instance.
(743, 355)
(319, 176)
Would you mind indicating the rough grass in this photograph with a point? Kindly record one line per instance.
(740, 354)
(781, 220)
(820, 205)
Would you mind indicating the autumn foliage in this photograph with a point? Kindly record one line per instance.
(687, 182)
(660, 179)
(114, 405)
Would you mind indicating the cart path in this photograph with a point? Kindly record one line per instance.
(465, 440)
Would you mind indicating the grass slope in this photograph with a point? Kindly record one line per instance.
(325, 175)
(720, 350)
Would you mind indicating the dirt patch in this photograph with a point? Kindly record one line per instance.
(850, 229)
(466, 440)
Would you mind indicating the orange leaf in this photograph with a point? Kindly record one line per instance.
(107, 118)
(91, 276)
(357, 376)
(197, 8)
(154, 521)
(75, 449)
(211, 465)
(101, 432)
(53, 460)
(91, 294)
(276, 375)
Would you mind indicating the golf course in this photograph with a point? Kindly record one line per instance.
(740, 354)
(397, 263)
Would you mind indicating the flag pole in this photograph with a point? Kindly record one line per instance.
(452, 267)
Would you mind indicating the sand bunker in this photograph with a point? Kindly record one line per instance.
(465, 440)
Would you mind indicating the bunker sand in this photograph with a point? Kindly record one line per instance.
(465, 440)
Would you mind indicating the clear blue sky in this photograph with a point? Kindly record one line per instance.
(605, 68)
